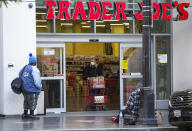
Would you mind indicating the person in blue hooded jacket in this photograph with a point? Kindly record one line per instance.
(31, 87)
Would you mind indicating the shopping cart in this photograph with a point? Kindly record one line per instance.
(96, 94)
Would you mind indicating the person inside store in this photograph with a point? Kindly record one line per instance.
(132, 107)
(92, 70)
(31, 87)
(99, 68)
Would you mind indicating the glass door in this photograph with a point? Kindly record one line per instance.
(51, 63)
(130, 70)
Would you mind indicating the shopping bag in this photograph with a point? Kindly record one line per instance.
(16, 85)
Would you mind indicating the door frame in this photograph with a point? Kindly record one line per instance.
(62, 78)
(123, 45)
(159, 104)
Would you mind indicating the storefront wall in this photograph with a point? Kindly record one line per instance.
(182, 45)
(1, 61)
(17, 40)
(25, 35)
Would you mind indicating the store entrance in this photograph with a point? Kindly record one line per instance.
(78, 58)
(50, 61)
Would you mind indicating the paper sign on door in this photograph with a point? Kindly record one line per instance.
(162, 58)
(124, 64)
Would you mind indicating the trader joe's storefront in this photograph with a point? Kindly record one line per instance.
(70, 43)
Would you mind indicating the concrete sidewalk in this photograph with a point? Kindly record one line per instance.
(83, 121)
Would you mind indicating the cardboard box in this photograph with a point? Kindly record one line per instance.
(100, 79)
(97, 82)
(49, 69)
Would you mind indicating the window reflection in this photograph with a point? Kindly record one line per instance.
(130, 86)
(163, 67)
(52, 90)
(133, 58)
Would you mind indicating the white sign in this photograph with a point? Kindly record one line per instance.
(98, 99)
(135, 74)
(162, 58)
(177, 113)
(49, 51)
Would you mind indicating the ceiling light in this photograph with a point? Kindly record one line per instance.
(41, 26)
(111, 20)
(41, 20)
(83, 23)
(100, 25)
(99, 21)
(66, 24)
(86, 27)
(39, 13)
(126, 24)
(116, 24)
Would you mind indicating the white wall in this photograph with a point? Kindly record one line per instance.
(1, 61)
(19, 39)
(182, 52)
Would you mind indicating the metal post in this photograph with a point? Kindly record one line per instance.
(93, 22)
(148, 101)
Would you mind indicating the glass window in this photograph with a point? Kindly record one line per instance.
(165, 1)
(40, 2)
(161, 26)
(84, 2)
(53, 91)
(49, 61)
(102, 26)
(129, 3)
(114, 26)
(43, 25)
(163, 67)
(133, 58)
(73, 26)
(86, 26)
(138, 26)
(137, 5)
(130, 86)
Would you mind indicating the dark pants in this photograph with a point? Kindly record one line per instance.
(30, 101)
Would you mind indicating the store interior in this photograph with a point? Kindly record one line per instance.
(80, 55)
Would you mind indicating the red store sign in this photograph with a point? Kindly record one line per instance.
(99, 10)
